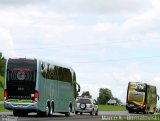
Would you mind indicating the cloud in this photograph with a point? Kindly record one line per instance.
(100, 6)
(94, 37)
(19, 2)
(6, 41)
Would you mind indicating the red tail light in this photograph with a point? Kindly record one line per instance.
(91, 106)
(36, 96)
(5, 95)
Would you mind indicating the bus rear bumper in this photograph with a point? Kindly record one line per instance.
(20, 106)
(134, 109)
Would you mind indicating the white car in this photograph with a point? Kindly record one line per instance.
(86, 105)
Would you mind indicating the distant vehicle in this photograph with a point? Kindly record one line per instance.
(112, 102)
(86, 105)
(122, 104)
(33, 85)
(141, 97)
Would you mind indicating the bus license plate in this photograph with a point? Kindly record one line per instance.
(19, 105)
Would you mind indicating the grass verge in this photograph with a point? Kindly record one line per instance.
(111, 108)
(2, 108)
(1, 87)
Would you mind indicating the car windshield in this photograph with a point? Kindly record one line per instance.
(86, 101)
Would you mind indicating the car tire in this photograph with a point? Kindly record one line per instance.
(96, 113)
(91, 113)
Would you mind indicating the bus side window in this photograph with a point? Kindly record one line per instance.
(60, 73)
(56, 73)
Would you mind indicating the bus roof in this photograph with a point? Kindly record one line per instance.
(55, 63)
(44, 61)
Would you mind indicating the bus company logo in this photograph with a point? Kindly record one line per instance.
(21, 75)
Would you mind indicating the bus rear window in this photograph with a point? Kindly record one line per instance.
(21, 78)
(86, 101)
(21, 70)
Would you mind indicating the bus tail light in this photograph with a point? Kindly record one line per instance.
(36, 95)
(5, 95)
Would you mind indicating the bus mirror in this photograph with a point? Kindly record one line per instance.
(78, 90)
(78, 86)
(158, 97)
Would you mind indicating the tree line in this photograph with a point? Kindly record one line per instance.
(105, 95)
(2, 64)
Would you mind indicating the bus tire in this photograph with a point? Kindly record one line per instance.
(51, 108)
(20, 113)
(40, 113)
(48, 109)
(24, 113)
(16, 113)
(130, 111)
(69, 112)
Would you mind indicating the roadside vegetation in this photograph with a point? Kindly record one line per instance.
(2, 108)
(1, 87)
(2, 68)
(111, 108)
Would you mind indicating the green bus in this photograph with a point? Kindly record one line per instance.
(33, 85)
(141, 97)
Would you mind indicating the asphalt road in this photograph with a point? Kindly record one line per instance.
(109, 115)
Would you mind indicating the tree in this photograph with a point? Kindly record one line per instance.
(117, 100)
(104, 95)
(2, 64)
(86, 93)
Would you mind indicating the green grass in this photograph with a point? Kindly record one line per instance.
(1, 87)
(2, 108)
(111, 108)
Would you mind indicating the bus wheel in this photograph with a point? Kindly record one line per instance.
(48, 110)
(40, 113)
(51, 109)
(16, 113)
(130, 111)
(69, 112)
(20, 113)
(24, 113)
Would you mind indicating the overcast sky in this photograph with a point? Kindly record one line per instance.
(107, 42)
